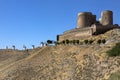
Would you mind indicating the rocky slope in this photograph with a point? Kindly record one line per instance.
(63, 62)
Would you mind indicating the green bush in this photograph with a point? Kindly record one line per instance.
(99, 41)
(115, 76)
(115, 51)
(57, 43)
(91, 41)
(81, 42)
(77, 41)
(74, 41)
(86, 41)
(67, 41)
(71, 42)
(49, 41)
(63, 42)
(103, 41)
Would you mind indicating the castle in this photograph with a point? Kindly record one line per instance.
(87, 26)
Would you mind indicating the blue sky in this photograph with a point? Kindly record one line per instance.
(28, 22)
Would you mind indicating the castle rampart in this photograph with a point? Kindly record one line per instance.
(76, 34)
(87, 26)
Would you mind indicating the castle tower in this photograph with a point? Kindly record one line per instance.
(85, 19)
(106, 18)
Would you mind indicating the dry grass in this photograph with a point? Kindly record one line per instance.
(63, 62)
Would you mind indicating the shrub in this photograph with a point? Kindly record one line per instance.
(63, 42)
(81, 42)
(77, 41)
(99, 41)
(115, 51)
(74, 41)
(49, 41)
(115, 76)
(67, 41)
(86, 41)
(103, 41)
(13, 47)
(71, 42)
(91, 41)
(57, 43)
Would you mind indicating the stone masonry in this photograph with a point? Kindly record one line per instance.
(87, 26)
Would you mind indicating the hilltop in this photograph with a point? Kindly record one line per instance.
(63, 62)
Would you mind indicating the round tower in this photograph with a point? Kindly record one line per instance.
(107, 18)
(85, 19)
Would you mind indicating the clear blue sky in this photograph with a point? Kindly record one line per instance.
(32, 21)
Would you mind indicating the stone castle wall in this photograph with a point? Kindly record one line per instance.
(76, 34)
(99, 29)
(88, 26)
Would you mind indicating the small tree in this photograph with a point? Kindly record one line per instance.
(81, 42)
(24, 47)
(67, 41)
(6, 47)
(63, 42)
(57, 37)
(71, 41)
(91, 41)
(49, 41)
(74, 41)
(13, 47)
(42, 43)
(103, 41)
(99, 41)
(77, 41)
(86, 41)
(33, 46)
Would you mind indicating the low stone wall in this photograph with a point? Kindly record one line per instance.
(84, 33)
(103, 29)
(77, 30)
(76, 34)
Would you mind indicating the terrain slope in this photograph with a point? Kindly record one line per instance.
(62, 62)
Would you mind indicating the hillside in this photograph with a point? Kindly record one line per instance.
(62, 62)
